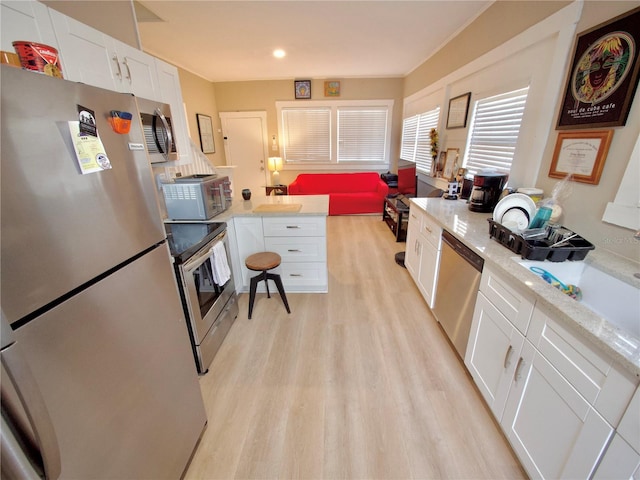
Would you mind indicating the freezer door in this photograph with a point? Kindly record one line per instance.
(60, 228)
(115, 369)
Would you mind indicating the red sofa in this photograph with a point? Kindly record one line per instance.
(349, 193)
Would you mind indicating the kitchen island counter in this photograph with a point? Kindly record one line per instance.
(472, 228)
(309, 205)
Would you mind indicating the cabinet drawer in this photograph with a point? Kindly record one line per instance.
(513, 304)
(304, 276)
(431, 230)
(607, 387)
(294, 226)
(298, 249)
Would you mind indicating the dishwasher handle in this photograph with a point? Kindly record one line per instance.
(475, 260)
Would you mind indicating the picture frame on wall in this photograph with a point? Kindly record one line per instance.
(581, 154)
(458, 111)
(604, 75)
(332, 88)
(205, 132)
(451, 163)
(302, 89)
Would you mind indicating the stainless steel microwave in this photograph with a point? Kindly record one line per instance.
(159, 136)
(197, 197)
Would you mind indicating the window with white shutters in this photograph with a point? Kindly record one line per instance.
(339, 133)
(416, 139)
(362, 134)
(494, 130)
(306, 134)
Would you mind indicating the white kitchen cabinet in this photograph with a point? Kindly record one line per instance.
(619, 462)
(413, 244)
(301, 242)
(622, 458)
(94, 58)
(25, 21)
(554, 431)
(492, 353)
(250, 240)
(422, 257)
(171, 93)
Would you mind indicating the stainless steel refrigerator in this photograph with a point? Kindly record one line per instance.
(97, 372)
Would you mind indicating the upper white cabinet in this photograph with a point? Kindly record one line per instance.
(25, 21)
(91, 57)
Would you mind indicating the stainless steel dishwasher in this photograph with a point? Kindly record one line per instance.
(457, 289)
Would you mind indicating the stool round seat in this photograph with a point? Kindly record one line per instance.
(262, 261)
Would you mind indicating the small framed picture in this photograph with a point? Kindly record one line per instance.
(458, 111)
(451, 163)
(332, 88)
(302, 89)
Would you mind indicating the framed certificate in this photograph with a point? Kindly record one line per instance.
(581, 154)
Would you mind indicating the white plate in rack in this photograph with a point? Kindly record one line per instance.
(516, 207)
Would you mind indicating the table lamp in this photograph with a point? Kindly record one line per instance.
(275, 164)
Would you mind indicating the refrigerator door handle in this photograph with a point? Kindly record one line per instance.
(30, 401)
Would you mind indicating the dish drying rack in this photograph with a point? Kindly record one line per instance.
(546, 246)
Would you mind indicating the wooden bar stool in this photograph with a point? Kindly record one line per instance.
(262, 262)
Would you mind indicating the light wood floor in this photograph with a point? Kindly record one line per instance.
(359, 383)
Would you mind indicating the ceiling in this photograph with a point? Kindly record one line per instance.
(234, 40)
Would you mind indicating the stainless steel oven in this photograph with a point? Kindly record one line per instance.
(205, 281)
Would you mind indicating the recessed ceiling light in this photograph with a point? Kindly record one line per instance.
(279, 53)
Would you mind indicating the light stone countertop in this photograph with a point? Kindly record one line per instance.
(311, 205)
(472, 228)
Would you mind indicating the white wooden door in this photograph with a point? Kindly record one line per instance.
(245, 146)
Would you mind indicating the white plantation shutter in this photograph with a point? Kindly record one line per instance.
(409, 135)
(416, 139)
(362, 134)
(494, 130)
(428, 120)
(307, 134)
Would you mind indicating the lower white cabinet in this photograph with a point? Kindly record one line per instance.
(422, 257)
(558, 398)
(622, 458)
(554, 431)
(493, 351)
(300, 241)
(250, 240)
(620, 461)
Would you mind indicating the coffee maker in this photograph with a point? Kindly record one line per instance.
(486, 191)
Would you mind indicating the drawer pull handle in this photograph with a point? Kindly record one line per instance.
(516, 374)
(293, 226)
(506, 356)
(428, 229)
(295, 275)
(293, 250)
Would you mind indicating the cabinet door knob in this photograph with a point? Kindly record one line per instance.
(119, 73)
(506, 356)
(516, 374)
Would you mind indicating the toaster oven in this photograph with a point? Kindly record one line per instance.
(197, 197)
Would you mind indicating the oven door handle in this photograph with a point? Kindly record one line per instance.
(202, 255)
